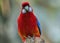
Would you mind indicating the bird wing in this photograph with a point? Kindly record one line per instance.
(38, 24)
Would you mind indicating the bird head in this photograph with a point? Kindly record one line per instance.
(26, 7)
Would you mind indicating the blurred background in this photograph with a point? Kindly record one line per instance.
(47, 11)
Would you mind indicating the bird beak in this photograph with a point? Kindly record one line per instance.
(26, 8)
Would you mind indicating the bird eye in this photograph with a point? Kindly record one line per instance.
(23, 11)
(30, 9)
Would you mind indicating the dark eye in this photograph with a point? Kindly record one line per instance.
(23, 11)
(30, 9)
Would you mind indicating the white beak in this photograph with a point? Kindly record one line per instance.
(26, 7)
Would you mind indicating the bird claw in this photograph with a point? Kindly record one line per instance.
(29, 37)
(34, 40)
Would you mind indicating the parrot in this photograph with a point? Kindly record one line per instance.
(28, 24)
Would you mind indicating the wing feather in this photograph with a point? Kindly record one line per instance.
(38, 24)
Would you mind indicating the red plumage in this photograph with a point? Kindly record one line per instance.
(27, 25)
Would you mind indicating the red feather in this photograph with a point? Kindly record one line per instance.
(27, 25)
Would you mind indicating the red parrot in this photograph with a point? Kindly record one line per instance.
(28, 25)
